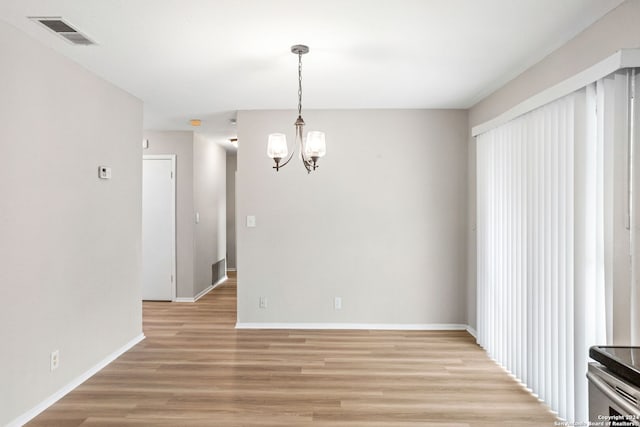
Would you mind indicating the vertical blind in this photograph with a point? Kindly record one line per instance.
(539, 225)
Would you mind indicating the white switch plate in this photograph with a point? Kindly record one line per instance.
(337, 303)
(104, 172)
(197, 217)
(55, 360)
(251, 221)
(145, 143)
(262, 303)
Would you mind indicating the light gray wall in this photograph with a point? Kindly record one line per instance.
(231, 209)
(381, 223)
(209, 185)
(471, 236)
(616, 30)
(180, 143)
(70, 243)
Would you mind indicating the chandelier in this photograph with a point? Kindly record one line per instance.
(312, 147)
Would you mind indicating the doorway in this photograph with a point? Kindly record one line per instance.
(158, 228)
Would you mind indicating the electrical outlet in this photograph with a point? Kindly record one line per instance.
(263, 302)
(55, 360)
(104, 172)
(337, 303)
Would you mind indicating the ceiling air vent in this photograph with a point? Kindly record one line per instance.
(63, 29)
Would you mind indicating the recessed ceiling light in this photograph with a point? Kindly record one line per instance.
(195, 122)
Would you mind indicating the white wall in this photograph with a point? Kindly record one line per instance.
(210, 201)
(70, 243)
(180, 143)
(381, 223)
(231, 209)
(616, 30)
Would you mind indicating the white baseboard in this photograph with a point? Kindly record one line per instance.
(203, 292)
(33, 412)
(472, 332)
(369, 326)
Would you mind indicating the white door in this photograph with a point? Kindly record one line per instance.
(158, 228)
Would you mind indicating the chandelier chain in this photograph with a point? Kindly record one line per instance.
(299, 84)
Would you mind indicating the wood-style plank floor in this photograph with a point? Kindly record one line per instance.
(195, 369)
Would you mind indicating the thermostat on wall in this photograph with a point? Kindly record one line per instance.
(104, 172)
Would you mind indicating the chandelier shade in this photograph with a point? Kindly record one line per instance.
(277, 146)
(315, 145)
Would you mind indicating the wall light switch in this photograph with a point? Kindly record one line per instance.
(197, 217)
(54, 360)
(104, 172)
(251, 221)
(145, 143)
(337, 303)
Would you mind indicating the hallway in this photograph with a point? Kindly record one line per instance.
(195, 369)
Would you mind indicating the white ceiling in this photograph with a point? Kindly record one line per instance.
(208, 58)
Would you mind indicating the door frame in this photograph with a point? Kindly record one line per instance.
(172, 157)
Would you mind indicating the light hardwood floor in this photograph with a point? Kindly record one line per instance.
(195, 369)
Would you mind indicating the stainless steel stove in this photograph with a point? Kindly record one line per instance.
(614, 386)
